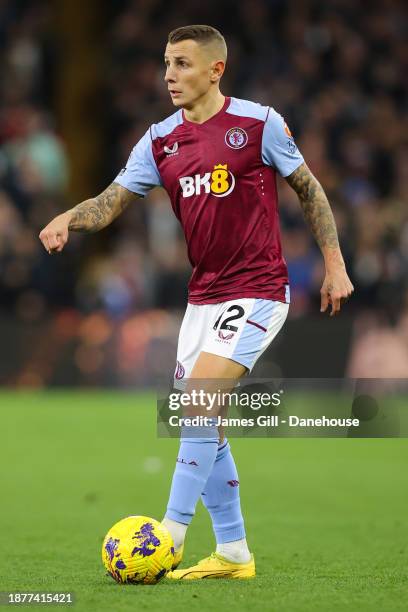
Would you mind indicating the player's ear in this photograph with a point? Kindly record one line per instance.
(217, 70)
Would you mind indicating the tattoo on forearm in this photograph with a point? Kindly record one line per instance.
(96, 213)
(315, 206)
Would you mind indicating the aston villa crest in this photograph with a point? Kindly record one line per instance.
(236, 138)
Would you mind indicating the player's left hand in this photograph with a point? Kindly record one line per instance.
(336, 290)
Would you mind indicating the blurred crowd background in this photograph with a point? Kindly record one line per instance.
(81, 84)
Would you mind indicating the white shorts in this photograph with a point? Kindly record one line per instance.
(239, 329)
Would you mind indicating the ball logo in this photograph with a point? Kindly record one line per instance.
(220, 182)
(110, 547)
(147, 541)
(236, 138)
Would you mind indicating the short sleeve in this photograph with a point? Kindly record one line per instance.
(278, 146)
(140, 174)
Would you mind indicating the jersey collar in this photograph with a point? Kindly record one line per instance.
(210, 119)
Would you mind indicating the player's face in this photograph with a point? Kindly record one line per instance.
(189, 72)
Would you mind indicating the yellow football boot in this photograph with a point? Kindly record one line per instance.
(178, 555)
(215, 566)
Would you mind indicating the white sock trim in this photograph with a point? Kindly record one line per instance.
(236, 552)
(177, 531)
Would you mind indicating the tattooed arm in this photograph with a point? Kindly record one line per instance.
(96, 213)
(88, 216)
(318, 215)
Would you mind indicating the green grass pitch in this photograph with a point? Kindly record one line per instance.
(326, 518)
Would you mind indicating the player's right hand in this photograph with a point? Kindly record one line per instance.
(55, 235)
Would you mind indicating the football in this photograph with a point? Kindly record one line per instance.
(138, 550)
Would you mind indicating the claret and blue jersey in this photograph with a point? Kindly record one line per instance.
(221, 179)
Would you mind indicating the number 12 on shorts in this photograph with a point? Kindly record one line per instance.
(233, 313)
